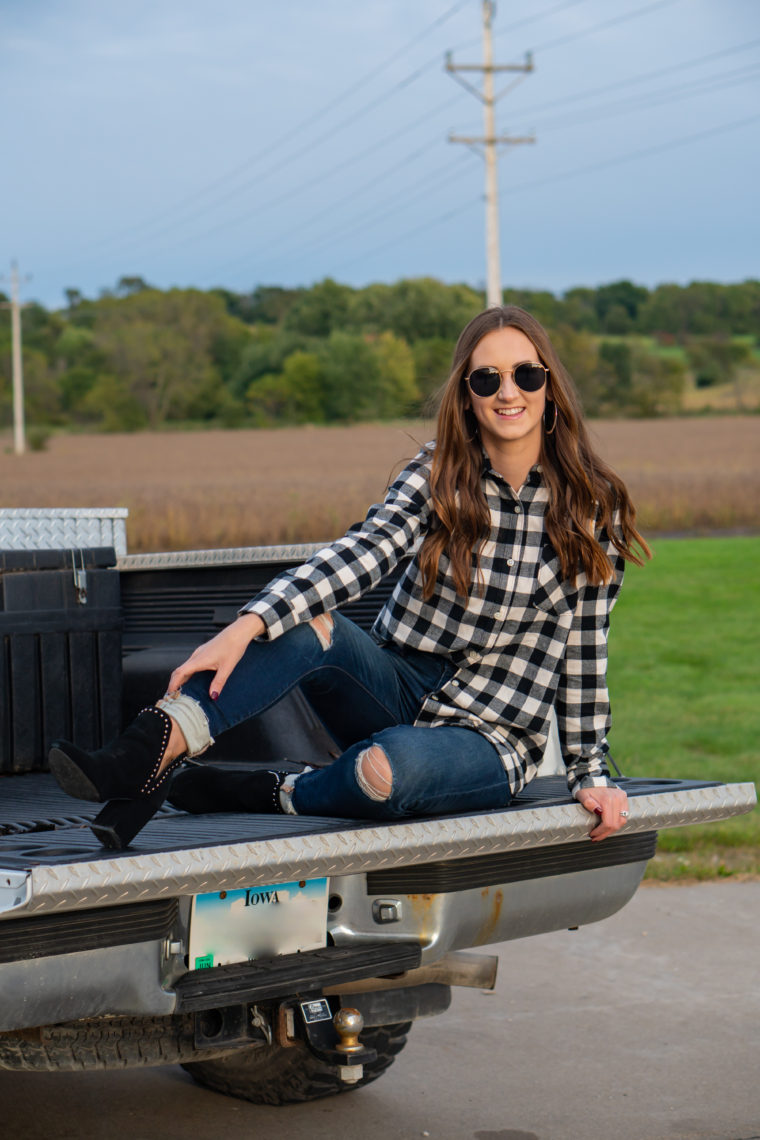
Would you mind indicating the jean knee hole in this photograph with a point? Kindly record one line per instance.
(323, 627)
(373, 774)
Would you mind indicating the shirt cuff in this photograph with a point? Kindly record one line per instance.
(599, 781)
(276, 615)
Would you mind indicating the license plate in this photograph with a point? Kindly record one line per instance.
(257, 922)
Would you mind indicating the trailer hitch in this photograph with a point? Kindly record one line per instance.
(231, 1025)
(332, 1034)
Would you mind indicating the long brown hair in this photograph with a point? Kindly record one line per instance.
(585, 495)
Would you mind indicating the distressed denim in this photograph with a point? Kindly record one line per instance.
(365, 694)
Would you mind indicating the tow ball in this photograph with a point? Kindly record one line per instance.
(348, 1025)
(334, 1038)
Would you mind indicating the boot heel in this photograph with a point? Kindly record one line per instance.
(120, 820)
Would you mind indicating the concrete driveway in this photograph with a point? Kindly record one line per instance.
(642, 1027)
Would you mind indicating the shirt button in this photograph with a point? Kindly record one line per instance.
(500, 615)
(455, 684)
(518, 509)
(510, 562)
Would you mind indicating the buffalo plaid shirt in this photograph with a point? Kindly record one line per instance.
(524, 641)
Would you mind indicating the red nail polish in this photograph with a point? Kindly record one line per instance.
(214, 695)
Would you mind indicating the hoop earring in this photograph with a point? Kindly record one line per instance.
(553, 428)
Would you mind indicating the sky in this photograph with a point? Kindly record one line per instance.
(258, 142)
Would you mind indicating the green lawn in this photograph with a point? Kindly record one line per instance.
(683, 675)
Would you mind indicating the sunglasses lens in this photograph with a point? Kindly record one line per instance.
(484, 381)
(530, 377)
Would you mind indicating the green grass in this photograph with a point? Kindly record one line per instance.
(683, 675)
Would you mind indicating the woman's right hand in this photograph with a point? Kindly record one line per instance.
(220, 655)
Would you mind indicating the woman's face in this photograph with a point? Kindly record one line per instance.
(510, 418)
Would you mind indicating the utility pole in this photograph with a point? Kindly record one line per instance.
(19, 430)
(490, 141)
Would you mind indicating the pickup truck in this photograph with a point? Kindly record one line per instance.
(276, 958)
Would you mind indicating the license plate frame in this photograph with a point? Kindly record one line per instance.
(242, 925)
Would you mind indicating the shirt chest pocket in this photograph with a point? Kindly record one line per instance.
(553, 593)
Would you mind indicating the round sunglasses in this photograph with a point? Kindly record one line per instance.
(529, 376)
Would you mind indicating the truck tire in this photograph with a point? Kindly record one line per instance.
(277, 1075)
(101, 1043)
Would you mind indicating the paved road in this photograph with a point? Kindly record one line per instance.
(643, 1027)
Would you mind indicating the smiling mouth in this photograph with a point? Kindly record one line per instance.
(509, 413)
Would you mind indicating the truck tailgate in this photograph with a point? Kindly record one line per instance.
(49, 860)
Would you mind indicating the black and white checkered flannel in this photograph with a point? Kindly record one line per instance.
(525, 641)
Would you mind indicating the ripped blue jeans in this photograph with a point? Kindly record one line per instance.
(365, 695)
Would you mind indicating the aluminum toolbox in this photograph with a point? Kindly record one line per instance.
(60, 528)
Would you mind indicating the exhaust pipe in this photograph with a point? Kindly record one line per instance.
(460, 968)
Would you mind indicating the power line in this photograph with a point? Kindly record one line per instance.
(289, 159)
(407, 234)
(622, 19)
(317, 116)
(350, 161)
(408, 195)
(667, 92)
(406, 81)
(128, 236)
(275, 168)
(539, 16)
(550, 124)
(594, 92)
(345, 225)
(619, 160)
(668, 95)
(147, 232)
(358, 113)
(646, 152)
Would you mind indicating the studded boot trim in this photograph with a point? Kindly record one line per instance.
(156, 778)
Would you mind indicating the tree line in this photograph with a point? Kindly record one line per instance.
(140, 357)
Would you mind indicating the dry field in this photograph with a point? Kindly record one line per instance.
(246, 488)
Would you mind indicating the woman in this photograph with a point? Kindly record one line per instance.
(519, 534)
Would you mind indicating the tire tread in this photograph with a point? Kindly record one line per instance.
(278, 1076)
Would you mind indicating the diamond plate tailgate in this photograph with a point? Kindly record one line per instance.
(67, 870)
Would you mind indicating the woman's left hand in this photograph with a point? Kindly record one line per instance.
(610, 804)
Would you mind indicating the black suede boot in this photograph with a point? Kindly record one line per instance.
(127, 768)
(125, 772)
(201, 788)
